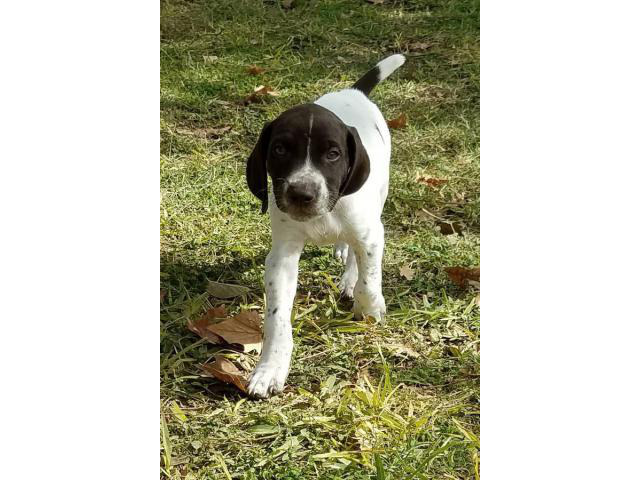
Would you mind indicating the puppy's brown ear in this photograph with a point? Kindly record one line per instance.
(358, 164)
(257, 167)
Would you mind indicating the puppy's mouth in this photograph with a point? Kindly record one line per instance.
(298, 209)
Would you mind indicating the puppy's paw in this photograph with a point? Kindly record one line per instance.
(373, 306)
(340, 252)
(267, 380)
(347, 284)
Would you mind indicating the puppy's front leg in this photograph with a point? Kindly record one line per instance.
(281, 277)
(368, 291)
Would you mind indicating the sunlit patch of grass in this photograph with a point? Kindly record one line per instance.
(398, 399)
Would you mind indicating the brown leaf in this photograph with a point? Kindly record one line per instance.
(201, 326)
(399, 122)
(255, 70)
(258, 93)
(431, 181)
(226, 371)
(244, 329)
(461, 275)
(402, 350)
(213, 133)
(419, 46)
(406, 272)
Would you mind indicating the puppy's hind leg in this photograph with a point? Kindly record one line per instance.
(341, 251)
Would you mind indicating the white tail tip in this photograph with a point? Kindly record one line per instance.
(390, 65)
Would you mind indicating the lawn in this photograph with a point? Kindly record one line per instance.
(395, 400)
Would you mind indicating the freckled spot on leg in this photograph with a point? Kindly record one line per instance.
(270, 283)
(275, 310)
(283, 220)
(364, 281)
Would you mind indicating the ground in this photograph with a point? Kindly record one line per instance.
(391, 400)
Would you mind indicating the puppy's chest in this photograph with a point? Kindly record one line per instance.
(325, 230)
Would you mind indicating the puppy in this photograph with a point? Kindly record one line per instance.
(329, 168)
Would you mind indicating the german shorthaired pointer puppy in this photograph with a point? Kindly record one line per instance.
(329, 167)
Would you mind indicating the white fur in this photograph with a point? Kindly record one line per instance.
(390, 65)
(353, 225)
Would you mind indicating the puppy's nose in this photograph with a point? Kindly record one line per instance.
(301, 192)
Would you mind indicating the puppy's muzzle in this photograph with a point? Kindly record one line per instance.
(302, 194)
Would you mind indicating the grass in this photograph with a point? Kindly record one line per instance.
(394, 400)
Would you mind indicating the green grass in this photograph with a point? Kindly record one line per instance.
(395, 400)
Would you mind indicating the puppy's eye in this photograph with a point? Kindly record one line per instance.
(279, 150)
(333, 155)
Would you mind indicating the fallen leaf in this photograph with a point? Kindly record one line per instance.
(213, 133)
(258, 93)
(226, 290)
(406, 272)
(400, 350)
(224, 370)
(209, 58)
(264, 90)
(243, 329)
(399, 122)
(419, 46)
(431, 181)
(201, 326)
(461, 275)
(255, 70)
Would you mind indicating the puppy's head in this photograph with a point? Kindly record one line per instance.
(313, 159)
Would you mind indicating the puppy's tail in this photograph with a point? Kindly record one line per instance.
(382, 70)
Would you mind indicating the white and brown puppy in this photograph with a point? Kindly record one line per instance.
(329, 167)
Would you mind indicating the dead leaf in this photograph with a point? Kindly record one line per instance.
(224, 370)
(244, 329)
(406, 272)
(399, 122)
(419, 46)
(213, 133)
(461, 275)
(209, 58)
(255, 70)
(431, 181)
(226, 290)
(401, 350)
(258, 93)
(201, 326)
(264, 90)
